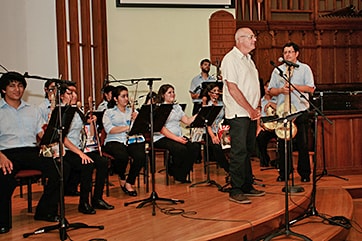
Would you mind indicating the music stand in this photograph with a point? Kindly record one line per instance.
(58, 127)
(143, 124)
(286, 230)
(205, 117)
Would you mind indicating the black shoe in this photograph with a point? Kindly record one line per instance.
(86, 208)
(4, 230)
(305, 179)
(48, 217)
(130, 193)
(101, 204)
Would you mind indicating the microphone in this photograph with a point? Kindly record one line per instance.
(281, 60)
(280, 71)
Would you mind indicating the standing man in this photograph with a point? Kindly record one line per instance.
(196, 84)
(21, 124)
(241, 95)
(302, 79)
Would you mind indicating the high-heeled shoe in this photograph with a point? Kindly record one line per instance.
(130, 193)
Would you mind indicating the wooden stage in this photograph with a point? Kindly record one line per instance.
(206, 213)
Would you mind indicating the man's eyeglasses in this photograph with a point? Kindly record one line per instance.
(251, 36)
(288, 52)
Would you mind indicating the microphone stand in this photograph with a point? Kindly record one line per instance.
(288, 155)
(63, 224)
(154, 196)
(325, 172)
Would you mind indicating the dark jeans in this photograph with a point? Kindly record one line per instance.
(28, 158)
(183, 156)
(301, 137)
(242, 135)
(121, 153)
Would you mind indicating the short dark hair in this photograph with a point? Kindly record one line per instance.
(205, 60)
(291, 44)
(10, 77)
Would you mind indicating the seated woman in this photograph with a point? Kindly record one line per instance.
(117, 121)
(216, 152)
(183, 152)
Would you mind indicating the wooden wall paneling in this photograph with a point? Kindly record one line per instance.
(327, 64)
(74, 43)
(222, 29)
(100, 46)
(265, 53)
(86, 51)
(342, 144)
(341, 57)
(62, 39)
(357, 143)
(356, 55)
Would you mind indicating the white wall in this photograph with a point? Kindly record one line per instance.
(158, 42)
(28, 41)
(142, 42)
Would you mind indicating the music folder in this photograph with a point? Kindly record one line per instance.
(142, 122)
(207, 114)
(51, 133)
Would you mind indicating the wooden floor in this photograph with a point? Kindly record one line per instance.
(206, 213)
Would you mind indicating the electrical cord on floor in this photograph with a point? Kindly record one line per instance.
(188, 214)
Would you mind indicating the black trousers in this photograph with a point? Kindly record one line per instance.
(28, 158)
(301, 145)
(262, 141)
(121, 153)
(183, 156)
(85, 171)
(242, 134)
(217, 154)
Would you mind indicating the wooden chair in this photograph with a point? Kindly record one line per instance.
(28, 177)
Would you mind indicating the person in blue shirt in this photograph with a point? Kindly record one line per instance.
(117, 122)
(81, 162)
(183, 152)
(302, 79)
(213, 97)
(21, 125)
(266, 131)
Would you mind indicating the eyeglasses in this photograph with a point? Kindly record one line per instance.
(251, 36)
(214, 93)
(288, 52)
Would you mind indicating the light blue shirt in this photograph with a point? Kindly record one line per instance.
(44, 108)
(114, 117)
(172, 122)
(264, 102)
(19, 127)
(196, 85)
(75, 130)
(301, 76)
(103, 105)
